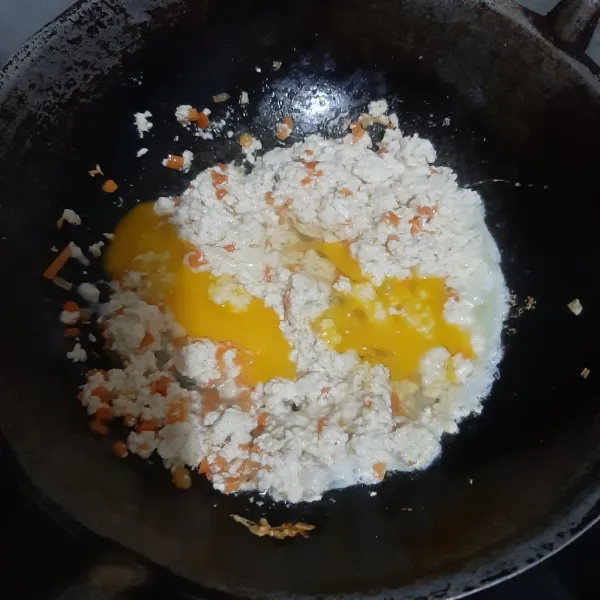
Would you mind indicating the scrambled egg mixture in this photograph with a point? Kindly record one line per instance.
(316, 323)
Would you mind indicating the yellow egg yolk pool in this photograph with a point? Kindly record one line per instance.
(147, 243)
(393, 324)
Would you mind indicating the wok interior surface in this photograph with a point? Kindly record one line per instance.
(518, 113)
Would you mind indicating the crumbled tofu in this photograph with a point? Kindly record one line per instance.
(89, 292)
(141, 152)
(142, 122)
(585, 373)
(77, 254)
(78, 354)
(70, 216)
(96, 249)
(575, 307)
(244, 99)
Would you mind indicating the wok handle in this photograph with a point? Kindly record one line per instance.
(570, 26)
(105, 582)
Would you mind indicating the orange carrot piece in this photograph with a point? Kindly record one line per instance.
(306, 181)
(176, 413)
(269, 199)
(321, 424)
(357, 132)
(196, 258)
(345, 191)
(220, 463)
(58, 263)
(232, 484)
(72, 332)
(119, 449)
(218, 178)
(221, 193)
(204, 468)
(98, 428)
(102, 394)
(70, 306)
(398, 408)
(146, 425)
(415, 226)
(246, 140)
(201, 120)
(174, 162)
(104, 414)
(379, 469)
(109, 186)
(160, 386)
(392, 218)
(146, 340)
(181, 478)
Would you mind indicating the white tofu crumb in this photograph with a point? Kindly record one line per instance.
(378, 108)
(575, 307)
(244, 98)
(372, 494)
(92, 337)
(142, 122)
(96, 249)
(141, 152)
(54, 249)
(188, 157)
(89, 292)
(69, 317)
(77, 254)
(258, 69)
(585, 373)
(277, 65)
(70, 216)
(230, 134)
(108, 236)
(78, 354)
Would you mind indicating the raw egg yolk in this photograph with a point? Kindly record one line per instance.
(393, 324)
(147, 243)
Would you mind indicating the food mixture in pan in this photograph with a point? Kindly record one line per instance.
(316, 323)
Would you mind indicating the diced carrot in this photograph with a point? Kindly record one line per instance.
(72, 332)
(288, 120)
(308, 152)
(104, 414)
(102, 394)
(398, 408)
(58, 263)
(415, 226)
(70, 306)
(379, 469)
(325, 390)
(202, 120)
(218, 178)
(98, 428)
(426, 211)
(146, 425)
(109, 186)
(232, 484)
(129, 420)
(174, 162)
(160, 385)
(220, 463)
(146, 340)
(192, 114)
(176, 412)
(306, 181)
(210, 401)
(246, 140)
(119, 449)
(318, 173)
(221, 193)
(268, 274)
(367, 402)
(269, 199)
(243, 400)
(357, 132)
(204, 468)
(181, 478)
(247, 447)
(345, 192)
(120, 311)
(321, 424)
(392, 218)
(311, 166)
(196, 258)
(229, 248)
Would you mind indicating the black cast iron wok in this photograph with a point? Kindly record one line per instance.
(524, 129)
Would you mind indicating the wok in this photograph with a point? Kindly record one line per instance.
(507, 108)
